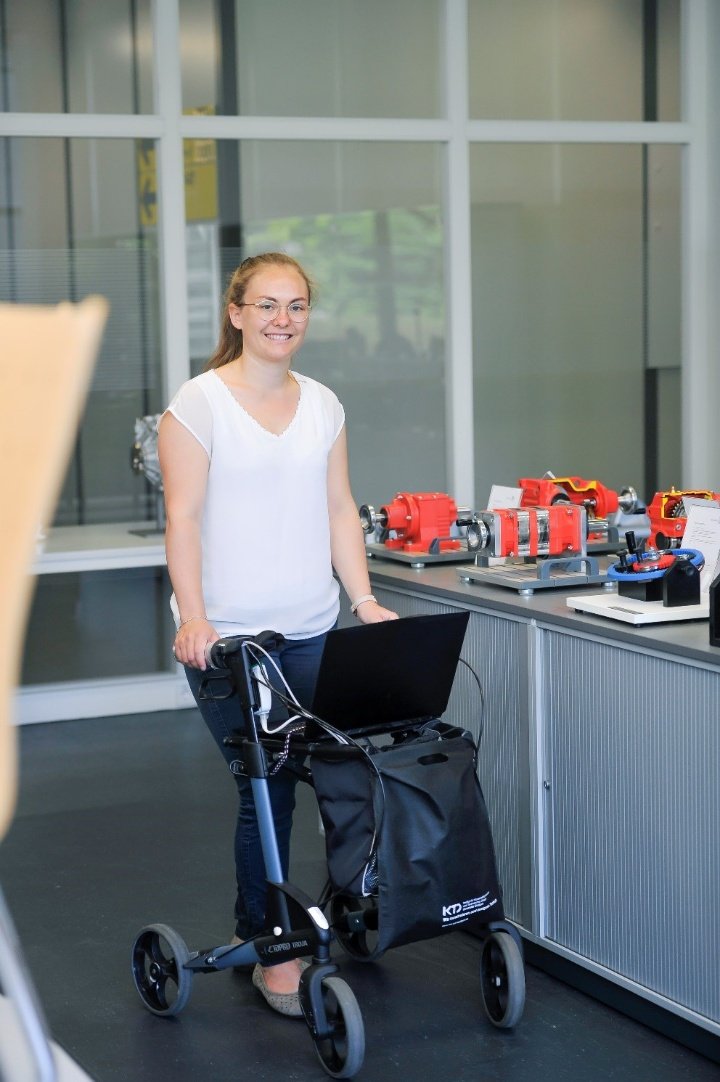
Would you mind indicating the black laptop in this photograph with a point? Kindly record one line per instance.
(375, 676)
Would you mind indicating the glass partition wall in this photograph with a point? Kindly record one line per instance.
(576, 306)
(576, 246)
(476, 186)
(366, 219)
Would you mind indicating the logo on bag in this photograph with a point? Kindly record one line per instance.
(459, 912)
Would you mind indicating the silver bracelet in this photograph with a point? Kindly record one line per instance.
(361, 601)
(189, 620)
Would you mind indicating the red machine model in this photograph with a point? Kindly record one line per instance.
(600, 502)
(529, 532)
(668, 515)
(419, 521)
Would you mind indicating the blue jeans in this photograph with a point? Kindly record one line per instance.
(299, 660)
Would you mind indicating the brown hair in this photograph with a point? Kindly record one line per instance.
(230, 342)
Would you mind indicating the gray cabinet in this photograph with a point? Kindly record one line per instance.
(631, 806)
(600, 764)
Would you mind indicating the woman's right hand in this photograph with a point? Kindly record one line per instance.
(192, 639)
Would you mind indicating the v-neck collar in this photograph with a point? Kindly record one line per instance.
(254, 420)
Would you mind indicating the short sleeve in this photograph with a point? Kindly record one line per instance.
(333, 413)
(338, 417)
(192, 409)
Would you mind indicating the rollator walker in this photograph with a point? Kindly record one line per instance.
(296, 926)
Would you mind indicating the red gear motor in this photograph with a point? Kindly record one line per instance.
(419, 521)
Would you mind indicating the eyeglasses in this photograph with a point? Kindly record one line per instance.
(298, 311)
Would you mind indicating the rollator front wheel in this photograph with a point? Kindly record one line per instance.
(159, 955)
(355, 924)
(343, 1050)
(502, 980)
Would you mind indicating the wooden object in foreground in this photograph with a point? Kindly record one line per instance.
(47, 354)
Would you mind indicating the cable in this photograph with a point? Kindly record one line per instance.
(251, 648)
(369, 865)
(290, 700)
(341, 738)
(481, 719)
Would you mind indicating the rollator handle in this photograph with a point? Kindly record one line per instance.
(219, 652)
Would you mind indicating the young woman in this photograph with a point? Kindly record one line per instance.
(259, 512)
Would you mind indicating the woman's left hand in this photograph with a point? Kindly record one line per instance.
(372, 613)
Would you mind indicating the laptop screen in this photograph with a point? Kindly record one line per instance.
(376, 675)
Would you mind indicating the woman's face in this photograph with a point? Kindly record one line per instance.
(270, 335)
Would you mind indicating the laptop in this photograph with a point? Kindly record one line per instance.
(375, 676)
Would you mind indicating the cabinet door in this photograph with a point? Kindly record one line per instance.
(632, 806)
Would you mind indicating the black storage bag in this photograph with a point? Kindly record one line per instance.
(420, 823)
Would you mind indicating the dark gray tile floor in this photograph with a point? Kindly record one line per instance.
(127, 821)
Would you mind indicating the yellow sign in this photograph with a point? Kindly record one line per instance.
(200, 174)
(147, 182)
(200, 166)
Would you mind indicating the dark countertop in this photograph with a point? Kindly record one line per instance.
(687, 639)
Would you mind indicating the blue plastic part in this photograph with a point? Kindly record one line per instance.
(696, 558)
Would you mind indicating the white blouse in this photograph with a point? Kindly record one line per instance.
(266, 561)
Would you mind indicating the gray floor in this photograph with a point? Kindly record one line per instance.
(127, 821)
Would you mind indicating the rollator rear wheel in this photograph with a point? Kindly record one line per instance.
(355, 924)
(502, 980)
(158, 957)
(342, 1053)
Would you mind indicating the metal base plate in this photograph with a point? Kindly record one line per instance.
(524, 577)
(417, 559)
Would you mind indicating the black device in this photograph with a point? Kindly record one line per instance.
(681, 584)
(376, 675)
(654, 575)
(715, 612)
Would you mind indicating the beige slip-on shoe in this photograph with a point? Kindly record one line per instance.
(287, 1003)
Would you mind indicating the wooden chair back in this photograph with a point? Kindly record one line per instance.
(47, 354)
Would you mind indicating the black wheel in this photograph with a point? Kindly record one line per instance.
(342, 1053)
(158, 957)
(355, 924)
(502, 980)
